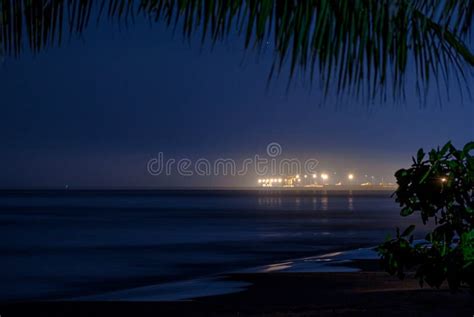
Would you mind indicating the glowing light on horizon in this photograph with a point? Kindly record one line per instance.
(314, 175)
(324, 176)
(350, 176)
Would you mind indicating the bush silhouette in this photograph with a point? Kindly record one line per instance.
(440, 187)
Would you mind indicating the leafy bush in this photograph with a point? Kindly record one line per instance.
(441, 188)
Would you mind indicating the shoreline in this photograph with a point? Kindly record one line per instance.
(282, 294)
(204, 190)
(290, 290)
(352, 260)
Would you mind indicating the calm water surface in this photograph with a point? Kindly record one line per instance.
(67, 244)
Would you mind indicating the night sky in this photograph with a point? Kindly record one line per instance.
(94, 111)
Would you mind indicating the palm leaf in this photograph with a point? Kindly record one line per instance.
(363, 47)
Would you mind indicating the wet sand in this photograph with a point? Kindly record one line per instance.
(283, 294)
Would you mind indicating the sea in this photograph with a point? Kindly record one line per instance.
(73, 245)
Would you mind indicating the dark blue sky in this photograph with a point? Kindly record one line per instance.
(93, 112)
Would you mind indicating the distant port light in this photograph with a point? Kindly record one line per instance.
(327, 180)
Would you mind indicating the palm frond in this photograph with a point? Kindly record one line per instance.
(359, 46)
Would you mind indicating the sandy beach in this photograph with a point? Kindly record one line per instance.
(283, 294)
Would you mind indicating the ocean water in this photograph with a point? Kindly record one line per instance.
(68, 244)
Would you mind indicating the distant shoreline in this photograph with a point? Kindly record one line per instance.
(240, 190)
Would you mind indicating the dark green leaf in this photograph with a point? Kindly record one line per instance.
(408, 231)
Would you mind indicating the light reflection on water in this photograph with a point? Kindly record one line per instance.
(324, 203)
(269, 201)
(320, 203)
(350, 203)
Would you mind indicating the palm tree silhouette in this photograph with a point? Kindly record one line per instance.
(363, 47)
